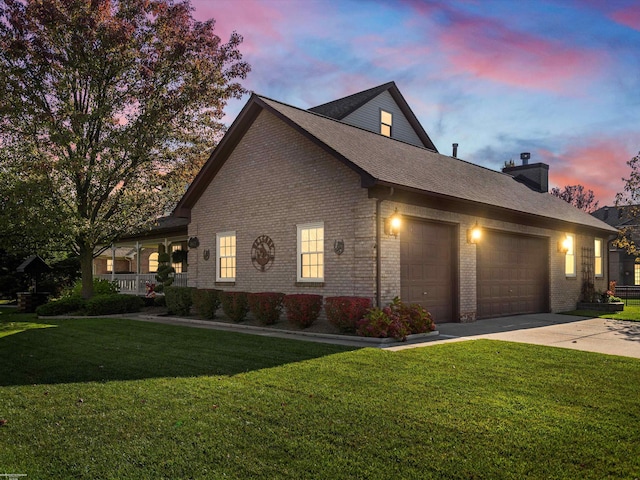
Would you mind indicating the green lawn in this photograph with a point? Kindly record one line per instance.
(109, 398)
(630, 313)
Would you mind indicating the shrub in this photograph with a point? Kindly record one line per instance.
(112, 304)
(383, 323)
(62, 306)
(179, 300)
(303, 309)
(160, 301)
(164, 274)
(344, 312)
(206, 302)
(235, 305)
(397, 320)
(266, 307)
(100, 287)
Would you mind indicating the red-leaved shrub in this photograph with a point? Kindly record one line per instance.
(266, 307)
(235, 305)
(344, 312)
(303, 308)
(397, 320)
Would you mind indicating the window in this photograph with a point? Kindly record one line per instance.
(597, 253)
(386, 120)
(226, 257)
(153, 262)
(109, 264)
(570, 256)
(311, 252)
(176, 266)
(636, 274)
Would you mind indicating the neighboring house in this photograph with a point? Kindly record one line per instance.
(623, 268)
(301, 201)
(133, 260)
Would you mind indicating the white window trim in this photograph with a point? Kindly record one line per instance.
(219, 235)
(299, 276)
(601, 257)
(571, 252)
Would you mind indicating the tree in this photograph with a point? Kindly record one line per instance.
(629, 201)
(577, 196)
(107, 108)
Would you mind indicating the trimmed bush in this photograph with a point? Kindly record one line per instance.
(303, 308)
(112, 304)
(345, 312)
(206, 302)
(266, 307)
(179, 300)
(62, 306)
(160, 301)
(397, 320)
(100, 287)
(235, 305)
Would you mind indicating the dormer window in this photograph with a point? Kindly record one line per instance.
(386, 120)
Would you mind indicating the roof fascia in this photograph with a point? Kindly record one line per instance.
(458, 205)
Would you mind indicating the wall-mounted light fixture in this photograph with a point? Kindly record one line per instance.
(474, 234)
(564, 244)
(393, 223)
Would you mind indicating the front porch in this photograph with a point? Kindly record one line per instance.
(132, 262)
(135, 283)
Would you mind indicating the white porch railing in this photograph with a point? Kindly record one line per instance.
(137, 282)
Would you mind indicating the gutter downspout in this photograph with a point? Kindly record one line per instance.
(378, 256)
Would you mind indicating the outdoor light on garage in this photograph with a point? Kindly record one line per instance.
(564, 245)
(393, 223)
(474, 234)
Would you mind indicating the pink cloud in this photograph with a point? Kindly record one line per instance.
(629, 17)
(599, 165)
(488, 49)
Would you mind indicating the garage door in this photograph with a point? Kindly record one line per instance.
(512, 274)
(427, 260)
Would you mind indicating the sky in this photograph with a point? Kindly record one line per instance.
(558, 79)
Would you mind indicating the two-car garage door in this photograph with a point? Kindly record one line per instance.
(512, 271)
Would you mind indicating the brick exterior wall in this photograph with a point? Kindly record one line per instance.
(273, 181)
(276, 179)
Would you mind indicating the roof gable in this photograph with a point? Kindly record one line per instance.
(359, 108)
(382, 161)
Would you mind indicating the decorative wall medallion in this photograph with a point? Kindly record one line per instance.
(193, 242)
(206, 253)
(263, 252)
(338, 246)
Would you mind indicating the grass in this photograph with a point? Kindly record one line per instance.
(123, 399)
(630, 313)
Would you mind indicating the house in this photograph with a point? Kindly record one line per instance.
(352, 198)
(133, 260)
(623, 267)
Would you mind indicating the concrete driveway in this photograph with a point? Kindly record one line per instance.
(612, 337)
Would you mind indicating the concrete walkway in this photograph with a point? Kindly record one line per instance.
(599, 335)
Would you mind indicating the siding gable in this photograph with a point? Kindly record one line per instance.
(368, 118)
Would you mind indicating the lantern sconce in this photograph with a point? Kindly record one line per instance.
(474, 234)
(564, 245)
(393, 223)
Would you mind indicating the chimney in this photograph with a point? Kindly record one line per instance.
(455, 150)
(535, 175)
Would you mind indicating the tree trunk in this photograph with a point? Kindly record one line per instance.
(86, 269)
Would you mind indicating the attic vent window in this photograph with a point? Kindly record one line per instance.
(386, 120)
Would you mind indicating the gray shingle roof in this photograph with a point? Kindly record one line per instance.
(342, 107)
(391, 162)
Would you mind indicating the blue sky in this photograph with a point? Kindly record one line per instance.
(559, 79)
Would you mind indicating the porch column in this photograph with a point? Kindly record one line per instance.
(113, 263)
(138, 250)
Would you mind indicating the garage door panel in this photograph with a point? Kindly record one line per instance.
(426, 267)
(512, 274)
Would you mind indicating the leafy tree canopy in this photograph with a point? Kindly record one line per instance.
(629, 198)
(577, 196)
(107, 110)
